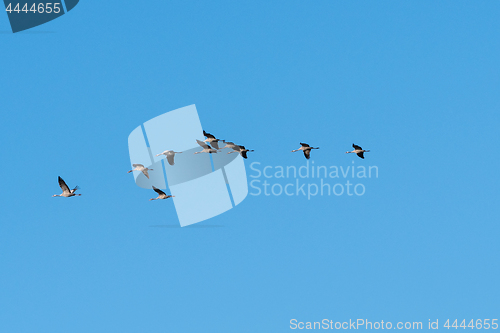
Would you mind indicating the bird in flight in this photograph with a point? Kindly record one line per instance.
(306, 149)
(161, 194)
(240, 149)
(170, 155)
(212, 140)
(357, 150)
(206, 148)
(66, 191)
(140, 167)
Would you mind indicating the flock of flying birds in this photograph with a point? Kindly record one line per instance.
(213, 148)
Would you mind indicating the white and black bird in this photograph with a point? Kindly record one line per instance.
(140, 167)
(214, 142)
(306, 149)
(240, 149)
(357, 150)
(161, 194)
(170, 155)
(206, 148)
(66, 191)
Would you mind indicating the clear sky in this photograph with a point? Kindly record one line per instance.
(416, 82)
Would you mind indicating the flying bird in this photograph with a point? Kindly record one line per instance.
(206, 148)
(240, 149)
(357, 150)
(161, 194)
(306, 149)
(140, 167)
(170, 155)
(66, 191)
(212, 140)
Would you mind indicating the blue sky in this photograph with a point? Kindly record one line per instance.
(416, 82)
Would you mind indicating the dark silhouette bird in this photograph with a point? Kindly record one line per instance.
(161, 194)
(66, 191)
(240, 149)
(306, 149)
(357, 150)
(214, 142)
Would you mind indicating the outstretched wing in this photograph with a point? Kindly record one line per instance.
(360, 155)
(76, 188)
(63, 185)
(145, 172)
(243, 153)
(208, 135)
(138, 165)
(356, 147)
(170, 159)
(307, 153)
(203, 144)
(304, 144)
(215, 144)
(157, 190)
